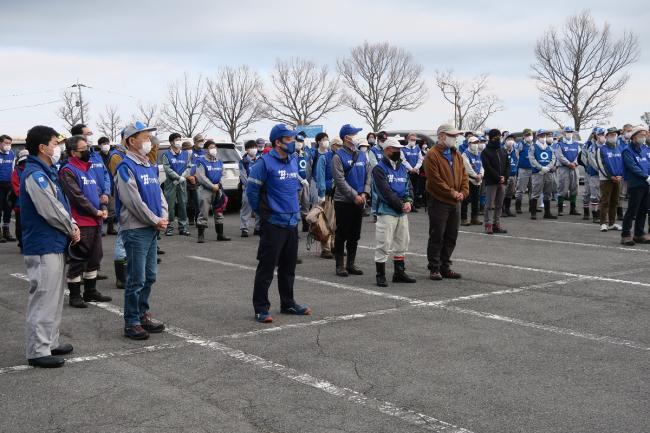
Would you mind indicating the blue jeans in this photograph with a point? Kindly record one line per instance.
(119, 253)
(141, 267)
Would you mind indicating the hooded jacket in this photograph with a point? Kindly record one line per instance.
(496, 163)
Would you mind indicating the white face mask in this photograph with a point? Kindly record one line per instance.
(612, 139)
(354, 140)
(363, 148)
(528, 139)
(481, 147)
(6, 147)
(412, 143)
(568, 138)
(56, 156)
(212, 152)
(106, 148)
(299, 146)
(601, 139)
(640, 141)
(325, 144)
(450, 141)
(146, 148)
(473, 147)
(510, 143)
(177, 144)
(627, 135)
(252, 152)
(549, 140)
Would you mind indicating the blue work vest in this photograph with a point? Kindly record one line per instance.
(40, 238)
(329, 178)
(146, 179)
(281, 187)
(474, 161)
(355, 175)
(543, 157)
(302, 161)
(570, 150)
(88, 184)
(512, 158)
(378, 151)
(613, 159)
(179, 162)
(6, 166)
(411, 155)
(523, 155)
(98, 170)
(213, 169)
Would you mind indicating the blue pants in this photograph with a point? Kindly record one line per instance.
(119, 254)
(141, 267)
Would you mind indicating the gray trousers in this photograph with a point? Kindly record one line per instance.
(542, 183)
(568, 181)
(46, 275)
(591, 192)
(494, 195)
(205, 203)
(523, 179)
(511, 187)
(246, 212)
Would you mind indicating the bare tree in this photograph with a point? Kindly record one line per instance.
(382, 79)
(645, 117)
(183, 111)
(472, 103)
(303, 92)
(579, 71)
(147, 114)
(110, 123)
(70, 110)
(233, 100)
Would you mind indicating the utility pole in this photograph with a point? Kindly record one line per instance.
(80, 103)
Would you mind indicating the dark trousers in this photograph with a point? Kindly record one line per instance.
(420, 191)
(278, 247)
(413, 178)
(472, 199)
(443, 232)
(192, 204)
(609, 192)
(19, 230)
(5, 207)
(348, 227)
(88, 251)
(637, 208)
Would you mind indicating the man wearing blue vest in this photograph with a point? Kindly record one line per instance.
(197, 153)
(412, 158)
(47, 229)
(246, 211)
(351, 173)
(376, 152)
(524, 171)
(83, 193)
(511, 185)
(304, 159)
(142, 211)
(392, 193)
(542, 160)
(592, 181)
(475, 172)
(273, 187)
(636, 159)
(609, 161)
(6, 168)
(322, 181)
(176, 163)
(209, 171)
(567, 154)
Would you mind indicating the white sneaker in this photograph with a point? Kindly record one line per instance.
(616, 227)
(603, 227)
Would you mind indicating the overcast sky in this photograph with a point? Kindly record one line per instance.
(129, 51)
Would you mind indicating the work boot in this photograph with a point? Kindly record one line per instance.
(573, 210)
(400, 275)
(627, 241)
(305, 225)
(547, 211)
(518, 206)
(350, 266)
(201, 238)
(595, 215)
(111, 229)
(75, 299)
(475, 221)
(488, 229)
(498, 229)
(220, 236)
(533, 208)
(481, 209)
(244, 233)
(560, 206)
(619, 213)
(326, 254)
(91, 294)
(7, 235)
(340, 269)
(2, 240)
(381, 274)
(506, 208)
(465, 223)
(169, 231)
(585, 213)
(120, 274)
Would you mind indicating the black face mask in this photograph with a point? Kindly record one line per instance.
(85, 155)
(396, 156)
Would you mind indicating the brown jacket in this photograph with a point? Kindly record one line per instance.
(442, 182)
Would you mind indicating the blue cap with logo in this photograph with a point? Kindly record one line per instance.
(569, 129)
(348, 129)
(280, 130)
(135, 128)
(541, 131)
(598, 130)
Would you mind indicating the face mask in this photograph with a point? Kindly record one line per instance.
(189, 153)
(568, 138)
(299, 146)
(355, 140)
(640, 141)
(627, 135)
(549, 140)
(396, 156)
(412, 143)
(56, 156)
(105, 148)
(371, 141)
(611, 140)
(528, 139)
(481, 147)
(473, 147)
(146, 148)
(252, 152)
(85, 155)
(601, 139)
(325, 144)
(424, 149)
(510, 143)
(212, 152)
(450, 141)
(290, 147)
(363, 149)
(177, 144)
(89, 141)
(6, 147)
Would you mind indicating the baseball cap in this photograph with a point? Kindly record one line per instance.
(598, 130)
(280, 130)
(448, 129)
(348, 129)
(391, 142)
(198, 139)
(568, 129)
(22, 155)
(300, 136)
(135, 128)
(472, 139)
(527, 131)
(612, 130)
(260, 141)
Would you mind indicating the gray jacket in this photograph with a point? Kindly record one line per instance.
(343, 191)
(48, 205)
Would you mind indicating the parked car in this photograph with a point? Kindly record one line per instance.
(423, 136)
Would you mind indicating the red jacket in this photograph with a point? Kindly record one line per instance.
(15, 183)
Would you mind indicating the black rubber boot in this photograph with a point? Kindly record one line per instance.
(518, 206)
(111, 229)
(400, 275)
(506, 207)
(91, 294)
(7, 235)
(619, 213)
(350, 266)
(75, 299)
(560, 206)
(595, 215)
(120, 274)
(585, 213)
(573, 210)
(201, 238)
(220, 235)
(340, 269)
(381, 274)
(305, 225)
(547, 211)
(533, 208)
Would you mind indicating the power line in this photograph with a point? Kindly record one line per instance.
(30, 106)
(32, 93)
